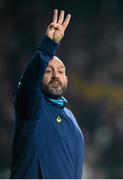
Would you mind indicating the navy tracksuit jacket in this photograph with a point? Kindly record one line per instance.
(44, 147)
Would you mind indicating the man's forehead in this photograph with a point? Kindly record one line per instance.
(56, 61)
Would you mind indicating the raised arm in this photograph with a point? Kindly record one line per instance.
(29, 86)
(34, 72)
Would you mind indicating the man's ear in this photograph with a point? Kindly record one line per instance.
(66, 78)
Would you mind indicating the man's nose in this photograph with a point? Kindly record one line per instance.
(55, 74)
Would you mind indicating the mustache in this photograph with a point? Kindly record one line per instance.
(55, 80)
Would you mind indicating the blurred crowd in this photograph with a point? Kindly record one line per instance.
(92, 51)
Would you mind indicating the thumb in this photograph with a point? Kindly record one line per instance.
(52, 26)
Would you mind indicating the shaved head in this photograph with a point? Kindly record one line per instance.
(55, 57)
(59, 60)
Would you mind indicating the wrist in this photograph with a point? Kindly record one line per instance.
(57, 41)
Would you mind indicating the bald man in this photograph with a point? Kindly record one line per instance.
(48, 142)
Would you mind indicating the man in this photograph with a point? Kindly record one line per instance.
(48, 142)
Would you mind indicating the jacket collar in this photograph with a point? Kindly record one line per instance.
(61, 102)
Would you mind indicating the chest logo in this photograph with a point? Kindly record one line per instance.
(58, 119)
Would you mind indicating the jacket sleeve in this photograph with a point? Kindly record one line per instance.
(79, 154)
(29, 88)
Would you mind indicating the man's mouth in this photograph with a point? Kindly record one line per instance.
(55, 83)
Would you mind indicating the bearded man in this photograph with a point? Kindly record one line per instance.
(48, 142)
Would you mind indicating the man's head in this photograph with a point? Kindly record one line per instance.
(55, 79)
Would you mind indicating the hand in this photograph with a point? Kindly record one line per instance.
(56, 29)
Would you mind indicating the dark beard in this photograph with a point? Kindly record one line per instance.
(49, 95)
(51, 90)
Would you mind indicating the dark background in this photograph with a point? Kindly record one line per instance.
(92, 51)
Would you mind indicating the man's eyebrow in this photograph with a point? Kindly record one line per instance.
(61, 66)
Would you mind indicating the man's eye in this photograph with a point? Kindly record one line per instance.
(61, 72)
(48, 71)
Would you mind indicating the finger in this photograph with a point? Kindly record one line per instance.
(52, 26)
(67, 20)
(55, 16)
(61, 17)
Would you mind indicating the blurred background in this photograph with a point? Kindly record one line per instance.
(92, 51)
